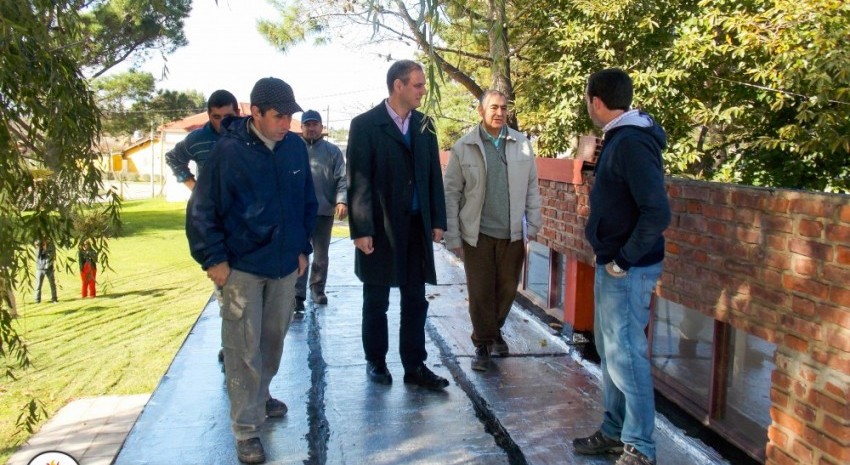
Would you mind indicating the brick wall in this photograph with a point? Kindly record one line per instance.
(774, 263)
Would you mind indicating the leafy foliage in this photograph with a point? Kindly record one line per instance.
(48, 170)
(130, 103)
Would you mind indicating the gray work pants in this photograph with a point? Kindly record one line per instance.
(321, 240)
(255, 313)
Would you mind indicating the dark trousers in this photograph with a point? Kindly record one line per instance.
(492, 277)
(414, 309)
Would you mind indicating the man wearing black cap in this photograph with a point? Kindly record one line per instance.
(248, 222)
(328, 168)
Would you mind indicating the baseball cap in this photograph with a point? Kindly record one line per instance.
(275, 93)
(311, 115)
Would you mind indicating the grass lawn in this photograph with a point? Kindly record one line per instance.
(122, 341)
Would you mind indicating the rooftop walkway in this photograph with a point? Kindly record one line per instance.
(524, 410)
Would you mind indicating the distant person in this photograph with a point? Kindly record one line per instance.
(87, 259)
(248, 223)
(491, 189)
(328, 168)
(45, 257)
(197, 146)
(629, 212)
(396, 207)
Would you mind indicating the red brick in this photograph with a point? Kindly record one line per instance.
(789, 422)
(769, 295)
(777, 204)
(810, 228)
(718, 212)
(795, 343)
(837, 406)
(812, 249)
(810, 207)
(744, 215)
(748, 236)
(837, 233)
(838, 362)
(836, 390)
(779, 242)
(839, 316)
(777, 436)
(844, 214)
(694, 191)
(717, 228)
(780, 381)
(805, 413)
(802, 306)
(805, 266)
(776, 224)
(802, 452)
(837, 429)
(777, 456)
(694, 207)
(806, 286)
(836, 274)
(748, 199)
(843, 254)
(827, 444)
(779, 398)
(840, 296)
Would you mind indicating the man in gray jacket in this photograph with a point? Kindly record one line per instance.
(491, 190)
(328, 168)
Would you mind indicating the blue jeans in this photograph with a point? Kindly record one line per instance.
(621, 313)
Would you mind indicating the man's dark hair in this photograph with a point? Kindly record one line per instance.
(613, 86)
(401, 70)
(221, 98)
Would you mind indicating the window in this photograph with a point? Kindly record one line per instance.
(537, 277)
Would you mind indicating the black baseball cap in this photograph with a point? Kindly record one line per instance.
(274, 93)
(311, 115)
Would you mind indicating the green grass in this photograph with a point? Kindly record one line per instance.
(120, 342)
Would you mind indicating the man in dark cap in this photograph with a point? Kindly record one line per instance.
(328, 168)
(248, 223)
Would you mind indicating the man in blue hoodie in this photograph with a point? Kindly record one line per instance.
(248, 223)
(629, 212)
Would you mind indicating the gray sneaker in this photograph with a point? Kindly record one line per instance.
(632, 456)
(499, 348)
(597, 444)
(481, 361)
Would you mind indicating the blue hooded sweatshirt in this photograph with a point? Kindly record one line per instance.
(629, 210)
(254, 208)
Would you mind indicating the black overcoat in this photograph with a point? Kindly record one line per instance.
(382, 171)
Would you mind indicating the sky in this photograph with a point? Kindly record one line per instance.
(225, 51)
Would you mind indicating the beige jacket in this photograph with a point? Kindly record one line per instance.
(466, 179)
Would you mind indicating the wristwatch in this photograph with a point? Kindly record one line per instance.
(614, 269)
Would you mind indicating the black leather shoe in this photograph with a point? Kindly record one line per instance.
(379, 373)
(250, 451)
(423, 377)
(275, 408)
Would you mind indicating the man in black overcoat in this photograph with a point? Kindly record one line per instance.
(396, 208)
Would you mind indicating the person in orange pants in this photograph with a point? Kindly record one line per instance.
(88, 268)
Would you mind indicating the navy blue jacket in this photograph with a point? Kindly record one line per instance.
(629, 210)
(254, 208)
(197, 147)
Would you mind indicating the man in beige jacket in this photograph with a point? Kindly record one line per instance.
(491, 190)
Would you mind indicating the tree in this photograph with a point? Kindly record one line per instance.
(469, 42)
(747, 92)
(129, 102)
(112, 31)
(50, 183)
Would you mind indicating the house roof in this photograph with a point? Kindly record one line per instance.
(190, 123)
